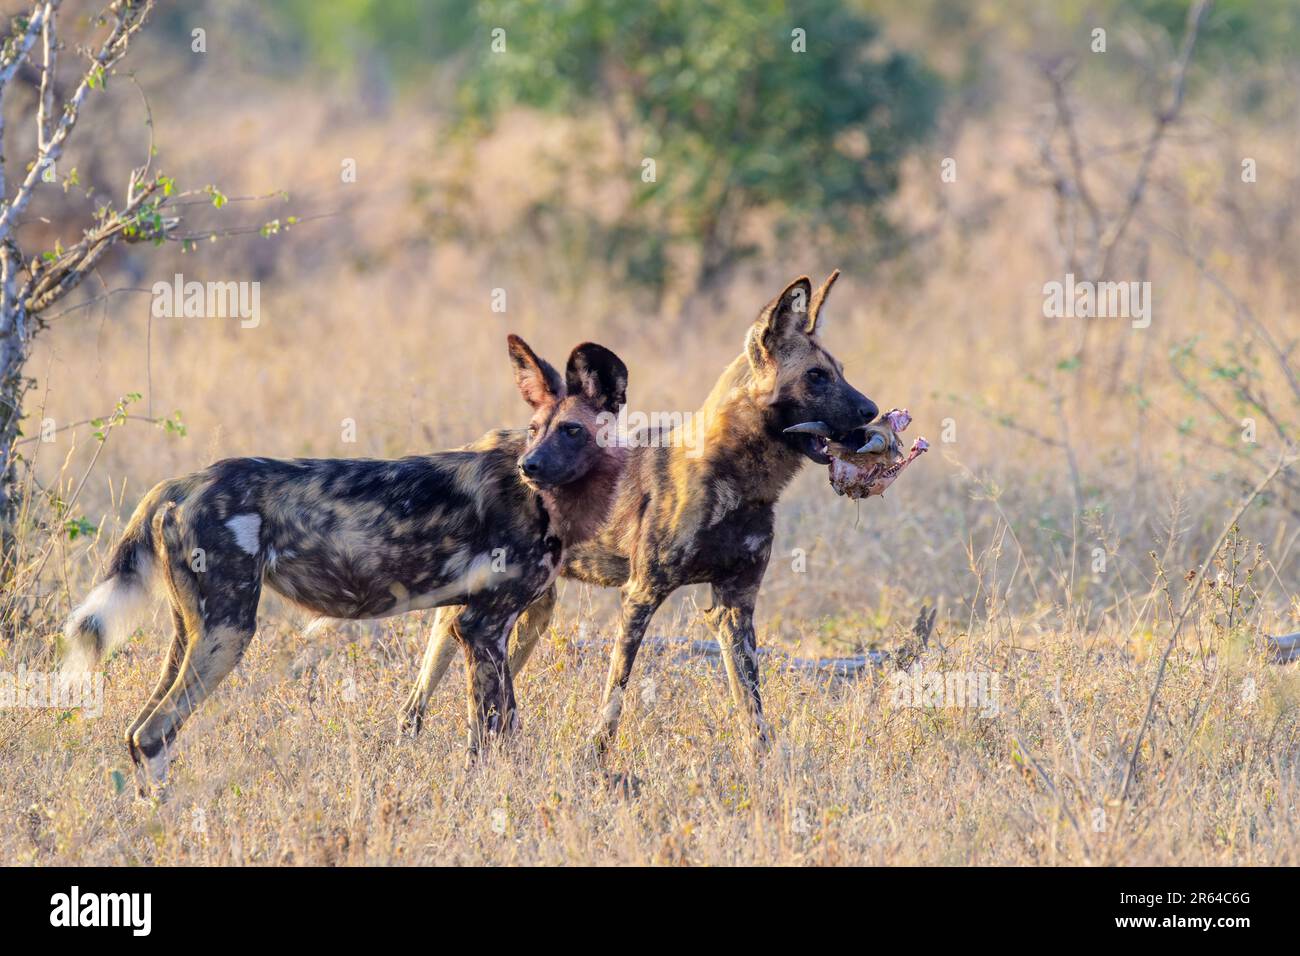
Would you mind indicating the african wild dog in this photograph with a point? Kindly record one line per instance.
(682, 518)
(486, 529)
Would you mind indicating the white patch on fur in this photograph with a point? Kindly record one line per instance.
(246, 529)
(480, 574)
(755, 542)
(117, 605)
(504, 641)
(728, 498)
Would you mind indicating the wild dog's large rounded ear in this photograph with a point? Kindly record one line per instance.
(599, 374)
(818, 300)
(787, 313)
(539, 383)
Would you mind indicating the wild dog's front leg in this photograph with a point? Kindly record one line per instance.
(732, 621)
(491, 693)
(530, 628)
(639, 606)
(442, 646)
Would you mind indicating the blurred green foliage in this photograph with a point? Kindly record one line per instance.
(742, 128)
(797, 108)
(1234, 31)
(736, 111)
(408, 34)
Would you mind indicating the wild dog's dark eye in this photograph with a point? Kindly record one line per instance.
(817, 375)
(571, 429)
(532, 431)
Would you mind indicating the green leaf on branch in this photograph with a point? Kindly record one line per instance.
(173, 425)
(78, 528)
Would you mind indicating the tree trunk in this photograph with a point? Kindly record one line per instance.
(13, 388)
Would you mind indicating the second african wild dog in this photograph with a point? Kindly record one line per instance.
(486, 529)
(680, 520)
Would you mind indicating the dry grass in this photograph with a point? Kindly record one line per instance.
(381, 314)
(295, 762)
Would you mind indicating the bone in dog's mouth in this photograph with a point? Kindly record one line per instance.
(865, 462)
(817, 440)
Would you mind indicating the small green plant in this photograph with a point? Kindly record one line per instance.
(78, 528)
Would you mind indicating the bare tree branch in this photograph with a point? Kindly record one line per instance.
(15, 53)
(13, 56)
(45, 110)
(1195, 16)
(129, 17)
(1071, 186)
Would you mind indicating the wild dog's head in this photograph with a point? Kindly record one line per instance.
(811, 402)
(563, 444)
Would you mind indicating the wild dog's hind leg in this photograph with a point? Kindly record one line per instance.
(171, 666)
(219, 609)
(732, 621)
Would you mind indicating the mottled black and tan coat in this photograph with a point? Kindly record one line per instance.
(485, 529)
(681, 517)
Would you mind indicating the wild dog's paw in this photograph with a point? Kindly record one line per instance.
(625, 785)
(151, 790)
(409, 724)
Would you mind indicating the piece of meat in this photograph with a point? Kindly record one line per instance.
(873, 465)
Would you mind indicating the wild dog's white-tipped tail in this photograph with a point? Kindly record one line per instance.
(104, 620)
(110, 612)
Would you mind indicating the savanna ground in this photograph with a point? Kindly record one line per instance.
(1080, 474)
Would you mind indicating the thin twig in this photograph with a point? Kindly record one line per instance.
(1166, 116)
(1282, 463)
